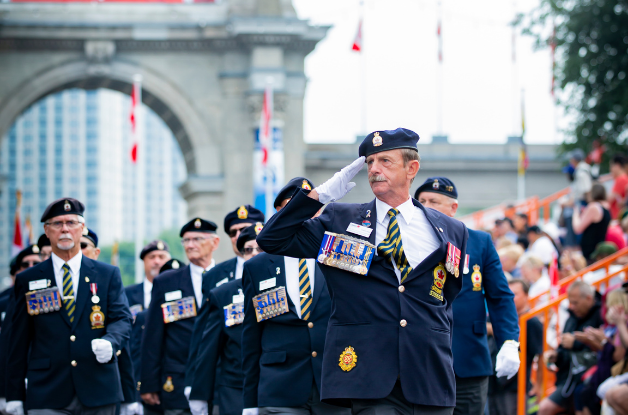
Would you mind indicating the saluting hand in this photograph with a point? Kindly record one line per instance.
(339, 185)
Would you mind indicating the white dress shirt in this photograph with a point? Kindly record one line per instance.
(148, 288)
(197, 279)
(239, 267)
(417, 235)
(544, 249)
(75, 271)
(292, 279)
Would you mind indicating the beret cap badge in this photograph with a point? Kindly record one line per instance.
(35, 249)
(377, 140)
(85, 231)
(306, 185)
(242, 212)
(67, 206)
(175, 264)
(258, 227)
(435, 184)
(197, 223)
(160, 246)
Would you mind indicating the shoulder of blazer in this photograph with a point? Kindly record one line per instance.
(170, 276)
(225, 265)
(134, 288)
(98, 266)
(480, 236)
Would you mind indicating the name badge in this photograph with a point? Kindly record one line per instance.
(223, 281)
(38, 285)
(174, 295)
(266, 284)
(238, 298)
(359, 230)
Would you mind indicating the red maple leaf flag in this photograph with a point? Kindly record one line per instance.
(265, 130)
(357, 42)
(553, 274)
(17, 245)
(133, 118)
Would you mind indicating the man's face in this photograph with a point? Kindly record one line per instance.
(45, 252)
(199, 245)
(387, 174)
(89, 249)
(520, 223)
(251, 249)
(153, 261)
(28, 261)
(234, 232)
(64, 231)
(521, 298)
(579, 304)
(437, 201)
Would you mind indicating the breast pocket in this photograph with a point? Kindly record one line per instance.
(271, 358)
(39, 364)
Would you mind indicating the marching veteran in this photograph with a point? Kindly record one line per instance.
(483, 286)
(70, 322)
(393, 270)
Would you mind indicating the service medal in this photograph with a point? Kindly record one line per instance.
(348, 359)
(95, 299)
(476, 278)
(97, 318)
(168, 386)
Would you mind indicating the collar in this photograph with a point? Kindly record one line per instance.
(148, 286)
(74, 262)
(239, 261)
(199, 270)
(406, 209)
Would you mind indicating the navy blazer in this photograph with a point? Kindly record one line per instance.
(54, 342)
(4, 302)
(470, 309)
(219, 342)
(220, 274)
(4, 338)
(165, 347)
(277, 358)
(135, 294)
(367, 311)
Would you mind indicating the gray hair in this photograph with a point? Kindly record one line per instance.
(585, 289)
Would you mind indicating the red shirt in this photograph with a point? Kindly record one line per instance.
(616, 235)
(619, 188)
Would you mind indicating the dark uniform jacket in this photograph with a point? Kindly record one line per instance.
(165, 347)
(471, 353)
(5, 332)
(4, 302)
(135, 294)
(220, 274)
(219, 342)
(281, 356)
(367, 311)
(54, 342)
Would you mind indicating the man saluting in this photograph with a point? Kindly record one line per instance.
(392, 269)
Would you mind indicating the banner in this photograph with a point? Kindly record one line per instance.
(275, 171)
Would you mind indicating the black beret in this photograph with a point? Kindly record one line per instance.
(13, 266)
(63, 206)
(243, 214)
(154, 246)
(288, 189)
(29, 250)
(248, 234)
(43, 241)
(171, 264)
(91, 235)
(199, 225)
(379, 141)
(440, 185)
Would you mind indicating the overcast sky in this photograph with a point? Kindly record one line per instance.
(481, 103)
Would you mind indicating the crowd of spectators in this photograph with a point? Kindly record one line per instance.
(587, 335)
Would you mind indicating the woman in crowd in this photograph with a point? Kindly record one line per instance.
(593, 221)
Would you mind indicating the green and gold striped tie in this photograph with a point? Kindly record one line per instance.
(305, 289)
(68, 292)
(391, 247)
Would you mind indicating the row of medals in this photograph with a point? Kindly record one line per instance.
(345, 262)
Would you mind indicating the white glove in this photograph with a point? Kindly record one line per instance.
(15, 408)
(139, 409)
(198, 407)
(186, 391)
(3, 404)
(131, 408)
(102, 349)
(250, 411)
(508, 359)
(340, 184)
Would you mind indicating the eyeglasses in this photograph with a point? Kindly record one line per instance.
(249, 250)
(85, 245)
(71, 224)
(186, 241)
(28, 264)
(43, 256)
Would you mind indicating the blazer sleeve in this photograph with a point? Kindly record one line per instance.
(251, 342)
(127, 378)
(152, 342)
(213, 340)
(118, 313)
(293, 232)
(499, 297)
(199, 326)
(19, 344)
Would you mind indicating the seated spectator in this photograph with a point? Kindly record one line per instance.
(570, 263)
(541, 245)
(509, 257)
(534, 272)
(584, 310)
(603, 250)
(617, 195)
(505, 228)
(593, 222)
(617, 398)
(502, 398)
(520, 222)
(607, 343)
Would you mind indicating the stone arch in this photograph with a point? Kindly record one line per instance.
(167, 101)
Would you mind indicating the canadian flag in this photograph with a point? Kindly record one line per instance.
(135, 97)
(357, 42)
(265, 131)
(17, 245)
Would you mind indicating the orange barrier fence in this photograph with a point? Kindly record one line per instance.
(545, 387)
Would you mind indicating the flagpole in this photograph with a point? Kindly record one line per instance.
(439, 74)
(362, 72)
(140, 198)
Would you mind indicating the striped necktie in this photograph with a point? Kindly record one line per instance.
(391, 247)
(305, 289)
(68, 292)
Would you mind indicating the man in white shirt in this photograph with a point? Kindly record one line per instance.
(154, 256)
(541, 245)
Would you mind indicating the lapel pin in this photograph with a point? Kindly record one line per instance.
(278, 270)
(86, 279)
(368, 213)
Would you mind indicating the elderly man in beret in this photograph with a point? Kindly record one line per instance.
(70, 323)
(394, 269)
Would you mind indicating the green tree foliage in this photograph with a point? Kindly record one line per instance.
(591, 40)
